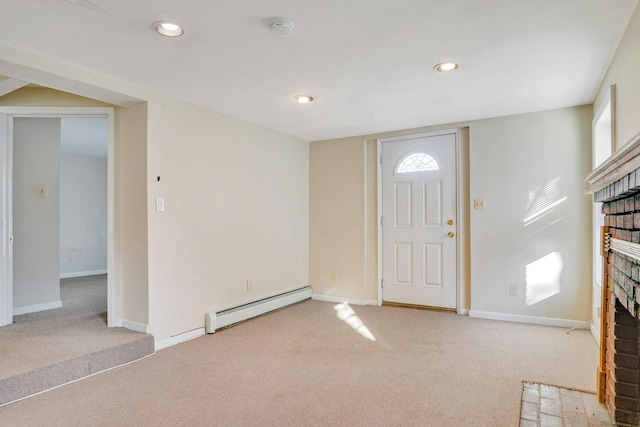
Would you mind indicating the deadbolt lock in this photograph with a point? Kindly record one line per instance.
(450, 222)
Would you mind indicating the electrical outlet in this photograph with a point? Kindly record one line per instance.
(334, 276)
(513, 290)
(249, 286)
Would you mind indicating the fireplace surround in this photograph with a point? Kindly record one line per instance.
(616, 184)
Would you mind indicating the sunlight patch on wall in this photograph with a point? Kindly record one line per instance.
(543, 278)
(347, 315)
(543, 200)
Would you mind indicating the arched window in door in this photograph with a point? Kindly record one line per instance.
(418, 162)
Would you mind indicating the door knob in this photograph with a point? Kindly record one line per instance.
(450, 222)
(450, 234)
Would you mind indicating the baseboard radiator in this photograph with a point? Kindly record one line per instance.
(222, 319)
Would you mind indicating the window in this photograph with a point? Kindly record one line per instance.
(418, 162)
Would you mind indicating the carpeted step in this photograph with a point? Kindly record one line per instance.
(26, 384)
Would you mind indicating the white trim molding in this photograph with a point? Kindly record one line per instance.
(180, 338)
(82, 274)
(135, 326)
(338, 300)
(622, 162)
(595, 334)
(36, 307)
(6, 227)
(7, 113)
(460, 213)
(533, 320)
(630, 249)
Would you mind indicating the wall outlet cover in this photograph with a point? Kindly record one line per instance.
(513, 290)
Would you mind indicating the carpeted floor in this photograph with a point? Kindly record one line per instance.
(305, 366)
(44, 349)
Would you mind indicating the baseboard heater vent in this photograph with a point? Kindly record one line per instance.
(222, 319)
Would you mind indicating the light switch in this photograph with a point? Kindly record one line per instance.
(159, 204)
(479, 204)
(41, 190)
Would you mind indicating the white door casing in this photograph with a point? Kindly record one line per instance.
(6, 238)
(114, 297)
(419, 220)
(603, 130)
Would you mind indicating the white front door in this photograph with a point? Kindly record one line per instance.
(419, 221)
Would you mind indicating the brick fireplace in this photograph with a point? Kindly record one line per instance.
(616, 183)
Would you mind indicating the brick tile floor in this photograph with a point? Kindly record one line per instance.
(548, 406)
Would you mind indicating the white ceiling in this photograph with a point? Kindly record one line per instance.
(368, 63)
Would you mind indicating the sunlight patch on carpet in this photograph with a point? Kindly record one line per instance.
(347, 315)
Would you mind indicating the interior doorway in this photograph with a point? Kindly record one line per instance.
(66, 256)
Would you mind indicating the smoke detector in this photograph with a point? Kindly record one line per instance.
(281, 27)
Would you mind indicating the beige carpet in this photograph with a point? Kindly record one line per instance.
(45, 349)
(304, 366)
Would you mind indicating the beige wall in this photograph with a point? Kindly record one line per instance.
(237, 205)
(515, 163)
(337, 218)
(498, 155)
(131, 256)
(237, 209)
(344, 220)
(45, 97)
(623, 72)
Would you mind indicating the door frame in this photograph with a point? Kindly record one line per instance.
(459, 208)
(114, 299)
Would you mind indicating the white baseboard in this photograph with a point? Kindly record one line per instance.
(82, 274)
(37, 307)
(596, 335)
(177, 339)
(534, 320)
(329, 298)
(463, 311)
(135, 326)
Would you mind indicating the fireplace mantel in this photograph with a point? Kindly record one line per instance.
(606, 181)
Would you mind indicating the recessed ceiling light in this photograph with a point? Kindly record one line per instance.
(303, 99)
(444, 67)
(168, 29)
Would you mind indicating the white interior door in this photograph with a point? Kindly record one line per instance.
(419, 241)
